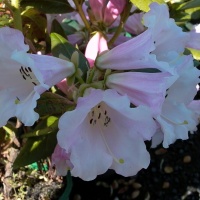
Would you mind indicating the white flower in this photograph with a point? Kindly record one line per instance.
(103, 133)
(25, 76)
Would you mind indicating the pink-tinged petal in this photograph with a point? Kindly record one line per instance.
(147, 89)
(185, 84)
(136, 117)
(128, 54)
(194, 40)
(131, 149)
(175, 122)
(61, 160)
(89, 154)
(166, 34)
(113, 10)
(98, 7)
(134, 24)
(96, 45)
(15, 38)
(62, 85)
(57, 69)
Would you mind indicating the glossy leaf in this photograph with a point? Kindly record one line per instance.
(52, 104)
(190, 4)
(38, 147)
(144, 4)
(60, 46)
(49, 6)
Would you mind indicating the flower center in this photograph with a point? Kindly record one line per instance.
(99, 117)
(28, 75)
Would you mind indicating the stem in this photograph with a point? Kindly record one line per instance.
(82, 15)
(16, 14)
(124, 17)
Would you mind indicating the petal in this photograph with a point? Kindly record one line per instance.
(89, 154)
(98, 7)
(61, 160)
(96, 45)
(52, 69)
(172, 122)
(131, 149)
(157, 20)
(127, 55)
(134, 24)
(142, 88)
(15, 38)
(129, 118)
(113, 10)
(185, 84)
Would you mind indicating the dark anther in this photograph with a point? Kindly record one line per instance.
(34, 83)
(99, 116)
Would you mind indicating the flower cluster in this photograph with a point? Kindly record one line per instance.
(136, 88)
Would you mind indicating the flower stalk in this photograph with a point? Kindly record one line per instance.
(82, 15)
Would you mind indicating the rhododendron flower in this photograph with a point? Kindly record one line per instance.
(166, 34)
(178, 115)
(25, 76)
(96, 45)
(61, 160)
(103, 133)
(107, 11)
(133, 54)
(147, 89)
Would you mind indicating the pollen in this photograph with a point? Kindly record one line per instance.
(121, 161)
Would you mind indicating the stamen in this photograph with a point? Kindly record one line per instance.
(175, 123)
(100, 118)
(28, 75)
(18, 101)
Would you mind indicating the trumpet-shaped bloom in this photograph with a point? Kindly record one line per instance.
(25, 76)
(107, 11)
(103, 133)
(147, 89)
(178, 114)
(166, 34)
(133, 54)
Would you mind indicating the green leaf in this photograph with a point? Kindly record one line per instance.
(52, 104)
(45, 127)
(195, 53)
(35, 149)
(70, 26)
(49, 6)
(34, 24)
(190, 4)
(60, 46)
(57, 28)
(144, 4)
(38, 147)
